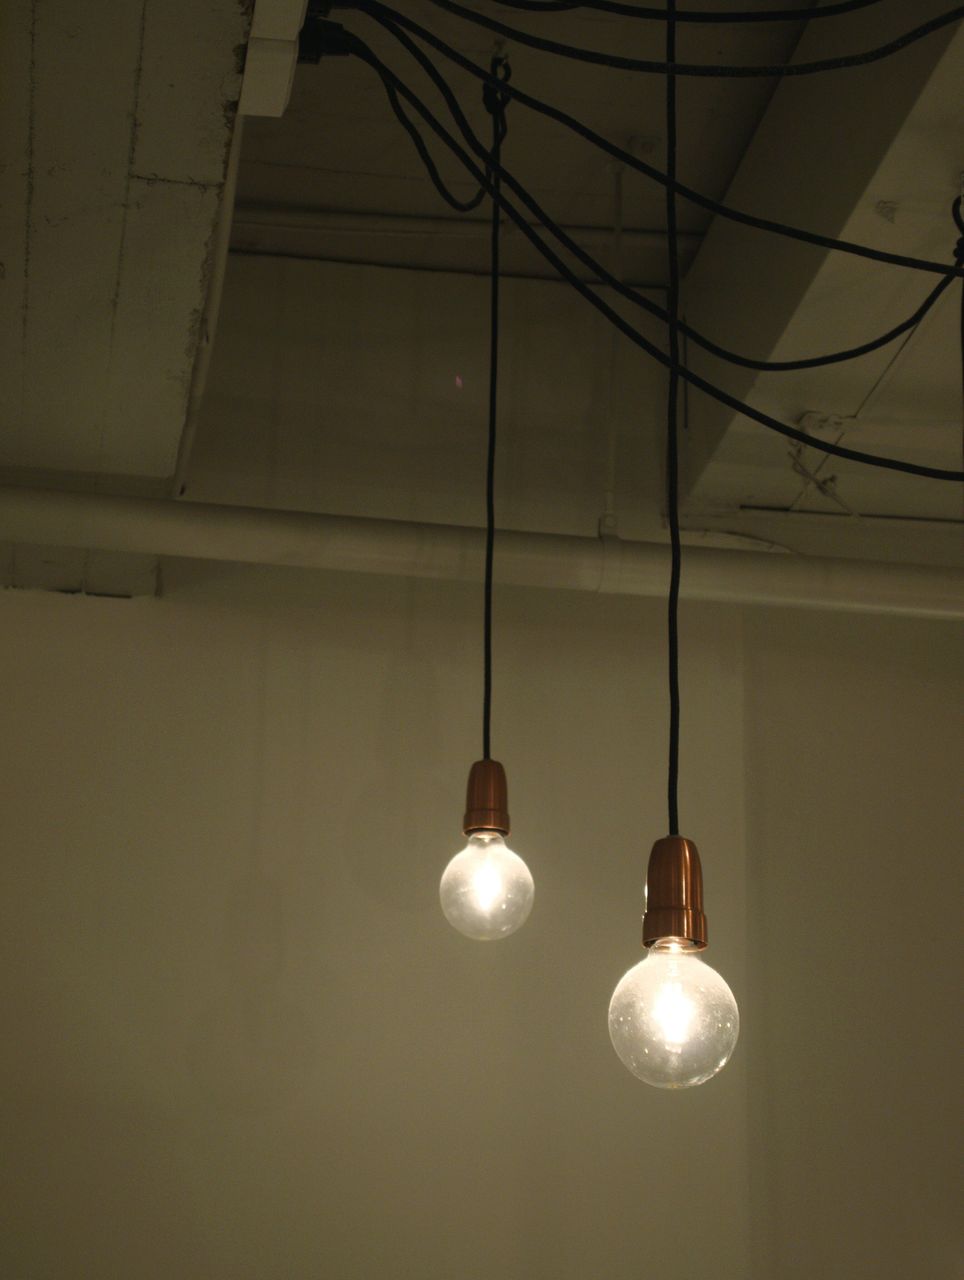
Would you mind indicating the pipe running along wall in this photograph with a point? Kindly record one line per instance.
(564, 562)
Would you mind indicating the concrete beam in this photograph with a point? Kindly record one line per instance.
(115, 133)
(812, 163)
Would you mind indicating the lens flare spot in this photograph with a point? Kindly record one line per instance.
(673, 1013)
(487, 886)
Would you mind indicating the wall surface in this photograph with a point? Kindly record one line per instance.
(240, 1041)
(239, 1038)
(854, 741)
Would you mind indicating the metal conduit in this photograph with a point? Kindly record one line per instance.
(361, 545)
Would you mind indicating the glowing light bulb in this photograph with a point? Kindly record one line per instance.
(673, 1020)
(486, 890)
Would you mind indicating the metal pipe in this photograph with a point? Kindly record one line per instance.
(561, 561)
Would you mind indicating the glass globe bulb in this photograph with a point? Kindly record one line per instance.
(673, 1020)
(486, 890)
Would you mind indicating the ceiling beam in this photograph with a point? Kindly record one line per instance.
(116, 128)
(812, 163)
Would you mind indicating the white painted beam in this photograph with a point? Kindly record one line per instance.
(114, 139)
(813, 162)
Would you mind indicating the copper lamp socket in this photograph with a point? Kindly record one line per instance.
(486, 799)
(674, 893)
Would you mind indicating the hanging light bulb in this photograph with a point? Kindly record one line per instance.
(486, 890)
(673, 1020)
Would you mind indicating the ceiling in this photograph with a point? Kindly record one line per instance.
(116, 227)
(309, 161)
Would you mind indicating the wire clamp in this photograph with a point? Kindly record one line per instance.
(494, 97)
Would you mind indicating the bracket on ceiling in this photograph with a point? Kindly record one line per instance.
(272, 55)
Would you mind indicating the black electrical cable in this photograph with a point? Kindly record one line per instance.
(833, 357)
(956, 213)
(715, 17)
(388, 18)
(672, 441)
(617, 62)
(566, 273)
(634, 336)
(461, 206)
(626, 291)
(495, 103)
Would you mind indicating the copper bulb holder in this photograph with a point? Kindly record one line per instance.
(486, 799)
(674, 893)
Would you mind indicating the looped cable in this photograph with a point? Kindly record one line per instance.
(494, 96)
(495, 99)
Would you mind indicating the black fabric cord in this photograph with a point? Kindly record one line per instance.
(626, 291)
(390, 19)
(620, 63)
(566, 273)
(495, 103)
(833, 357)
(691, 15)
(672, 440)
(959, 223)
(461, 206)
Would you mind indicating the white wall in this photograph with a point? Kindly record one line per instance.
(240, 1040)
(854, 818)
